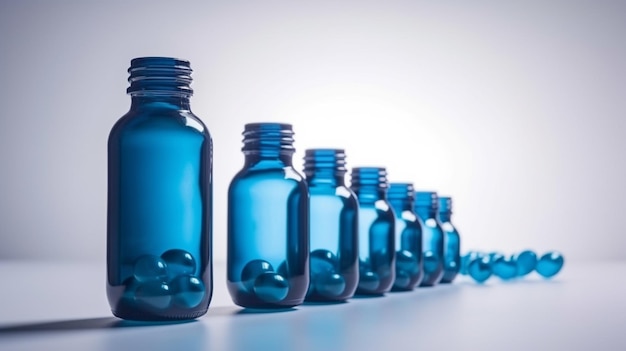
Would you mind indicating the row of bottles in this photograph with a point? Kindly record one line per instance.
(291, 237)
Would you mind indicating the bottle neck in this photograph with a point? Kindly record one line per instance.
(425, 212)
(445, 216)
(325, 167)
(271, 159)
(166, 101)
(401, 205)
(268, 143)
(369, 183)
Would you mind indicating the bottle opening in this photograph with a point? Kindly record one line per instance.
(159, 75)
(324, 162)
(369, 177)
(401, 191)
(268, 137)
(426, 199)
(445, 204)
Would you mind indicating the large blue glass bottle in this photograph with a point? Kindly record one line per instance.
(452, 250)
(433, 239)
(377, 247)
(268, 222)
(159, 199)
(408, 237)
(334, 227)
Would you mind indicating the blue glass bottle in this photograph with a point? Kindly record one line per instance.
(268, 222)
(408, 237)
(377, 247)
(334, 228)
(433, 240)
(159, 199)
(452, 250)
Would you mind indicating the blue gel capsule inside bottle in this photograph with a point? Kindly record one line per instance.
(479, 268)
(376, 231)
(504, 267)
(526, 262)
(268, 222)
(159, 195)
(550, 264)
(426, 207)
(452, 252)
(333, 227)
(408, 237)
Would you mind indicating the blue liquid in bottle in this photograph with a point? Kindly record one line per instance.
(452, 251)
(159, 199)
(426, 207)
(334, 227)
(377, 248)
(268, 222)
(408, 237)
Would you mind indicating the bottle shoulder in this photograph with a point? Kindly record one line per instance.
(159, 121)
(260, 176)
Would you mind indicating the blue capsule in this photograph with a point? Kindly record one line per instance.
(550, 264)
(479, 269)
(368, 280)
(252, 271)
(330, 285)
(271, 287)
(179, 262)
(526, 262)
(466, 259)
(130, 288)
(322, 262)
(187, 291)
(150, 268)
(431, 261)
(503, 267)
(155, 294)
(407, 262)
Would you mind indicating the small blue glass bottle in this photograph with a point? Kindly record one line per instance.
(159, 199)
(377, 247)
(334, 231)
(433, 240)
(268, 222)
(452, 250)
(408, 237)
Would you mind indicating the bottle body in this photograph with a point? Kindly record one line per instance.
(408, 233)
(377, 256)
(452, 250)
(433, 238)
(268, 223)
(334, 227)
(159, 203)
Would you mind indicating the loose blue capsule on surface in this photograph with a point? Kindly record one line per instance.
(431, 261)
(252, 271)
(526, 262)
(368, 280)
(322, 261)
(156, 294)
(479, 269)
(466, 259)
(179, 262)
(494, 256)
(330, 284)
(504, 267)
(187, 291)
(150, 268)
(407, 262)
(271, 287)
(550, 264)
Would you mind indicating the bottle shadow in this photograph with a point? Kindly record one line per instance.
(79, 324)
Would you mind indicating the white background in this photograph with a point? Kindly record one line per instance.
(515, 108)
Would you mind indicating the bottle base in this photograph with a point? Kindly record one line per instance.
(150, 317)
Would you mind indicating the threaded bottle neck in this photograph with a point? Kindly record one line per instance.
(369, 183)
(401, 196)
(268, 141)
(325, 166)
(426, 204)
(159, 76)
(445, 208)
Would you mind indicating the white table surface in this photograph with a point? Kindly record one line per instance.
(63, 306)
